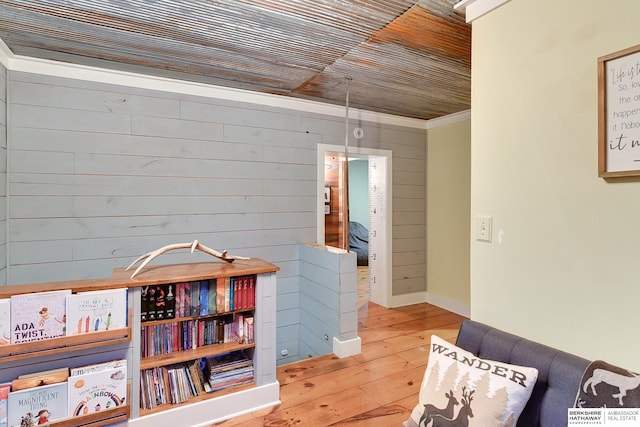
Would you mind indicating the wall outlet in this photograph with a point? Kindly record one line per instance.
(483, 228)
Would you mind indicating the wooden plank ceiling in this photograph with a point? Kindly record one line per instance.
(403, 57)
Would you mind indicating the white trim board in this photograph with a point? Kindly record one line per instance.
(433, 299)
(474, 9)
(347, 348)
(449, 119)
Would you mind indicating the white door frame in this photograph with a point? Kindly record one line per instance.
(381, 268)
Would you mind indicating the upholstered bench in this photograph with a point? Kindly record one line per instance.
(559, 373)
(494, 378)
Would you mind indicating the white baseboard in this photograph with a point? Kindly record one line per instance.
(449, 304)
(408, 299)
(347, 348)
(208, 412)
(437, 300)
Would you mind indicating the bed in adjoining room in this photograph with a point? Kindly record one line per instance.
(359, 241)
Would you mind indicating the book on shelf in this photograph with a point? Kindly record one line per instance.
(220, 286)
(144, 303)
(4, 397)
(38, 316)
(170, 300)
(171, 384)
(93, 388)
(96, 367)
(237, 293)
(37, 405)
(185, 296)
(238, 328)
(151, 303)
(248, 332)
(195, 299)
(227, 294)
(161, 311)
(251, 294)
(95, 311)
(204, 297)
(228, 370)
(5, 322)
(212, 293)
(35, 379)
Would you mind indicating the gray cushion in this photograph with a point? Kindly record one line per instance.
(559, 373)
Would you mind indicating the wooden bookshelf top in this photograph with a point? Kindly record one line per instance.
(150, 275)
(157, 274)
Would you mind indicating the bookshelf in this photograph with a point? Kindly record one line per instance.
(208, 407)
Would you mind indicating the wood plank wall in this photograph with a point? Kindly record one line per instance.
(102, 173)
(328, 299)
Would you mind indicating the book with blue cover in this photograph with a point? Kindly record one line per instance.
(204, 297)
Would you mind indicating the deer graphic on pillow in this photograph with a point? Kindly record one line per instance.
(444, 417)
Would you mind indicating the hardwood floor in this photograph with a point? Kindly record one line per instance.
(378, 387)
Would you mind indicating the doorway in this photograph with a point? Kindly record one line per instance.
(378, 206)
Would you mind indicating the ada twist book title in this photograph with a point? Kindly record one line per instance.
(38, 316)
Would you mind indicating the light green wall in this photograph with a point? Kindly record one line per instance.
(563, 266)
(448, 207)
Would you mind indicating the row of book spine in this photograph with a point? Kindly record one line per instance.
(169, 385)
(165, 338)
(197, 298)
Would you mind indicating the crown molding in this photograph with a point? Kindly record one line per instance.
(449, 119)
(474, 9)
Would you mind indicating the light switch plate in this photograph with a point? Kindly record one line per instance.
(483, 228)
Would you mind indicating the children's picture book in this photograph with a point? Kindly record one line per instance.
(96, 311)
(96, 367)
(5, 322)
(35, 379)
(97, 388)
(38, 405)
(38, 316)
(4, 397)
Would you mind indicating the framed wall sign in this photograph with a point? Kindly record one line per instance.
(619, 114)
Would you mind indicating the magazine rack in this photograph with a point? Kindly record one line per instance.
(263, 391)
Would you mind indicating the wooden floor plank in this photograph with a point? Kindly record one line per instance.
(378, 387)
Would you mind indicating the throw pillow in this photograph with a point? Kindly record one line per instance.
(461, 389)
(604, 385)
